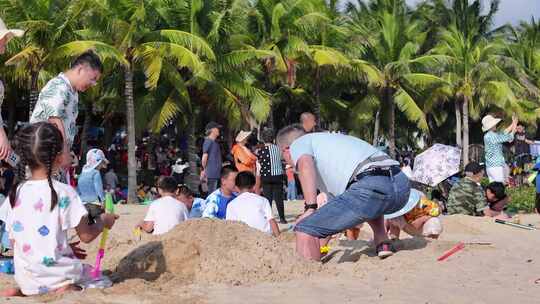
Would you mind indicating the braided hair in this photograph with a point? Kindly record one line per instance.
(38, 145)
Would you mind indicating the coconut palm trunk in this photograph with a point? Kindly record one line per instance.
(130, 117)
(270, 121)
(34, 93)
(376, 127)
(317, 90)
(268, 67)
(391, 122)
(86, 127)
(192, 179)
(457, 107)
(465, 130)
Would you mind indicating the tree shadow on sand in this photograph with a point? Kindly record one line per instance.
(352, 251)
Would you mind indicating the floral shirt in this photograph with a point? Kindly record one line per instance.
(42, 256)
(58, 99)
(493, 148)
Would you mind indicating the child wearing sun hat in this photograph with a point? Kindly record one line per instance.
(90, 184)
(419, 217)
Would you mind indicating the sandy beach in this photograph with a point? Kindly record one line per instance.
(207, 261)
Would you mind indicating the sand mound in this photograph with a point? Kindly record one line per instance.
(213, 251)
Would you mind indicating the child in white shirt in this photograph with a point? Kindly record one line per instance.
(166, 212)
(250, 208)
(38, 214)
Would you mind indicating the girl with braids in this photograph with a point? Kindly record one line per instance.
(38, 214)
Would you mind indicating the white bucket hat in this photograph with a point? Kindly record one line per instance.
(94, 158)
(242, 135)
(5, 32)
(489, 122)
(414, 198)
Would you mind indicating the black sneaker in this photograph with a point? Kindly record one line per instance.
(283, 221)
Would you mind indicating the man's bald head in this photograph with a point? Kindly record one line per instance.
(308, 121)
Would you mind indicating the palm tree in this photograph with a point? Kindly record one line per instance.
(523, 50)
(474, 67)
(390, 42)
(232, 91)
(133, 37)
(284, 27)
(46, 31)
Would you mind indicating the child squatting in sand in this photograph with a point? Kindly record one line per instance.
(38, 214)
(419, 217)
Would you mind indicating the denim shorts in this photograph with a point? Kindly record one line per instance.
(367, 199)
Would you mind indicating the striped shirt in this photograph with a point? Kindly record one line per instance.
(270, 160)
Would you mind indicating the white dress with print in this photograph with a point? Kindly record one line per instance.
(42, 257)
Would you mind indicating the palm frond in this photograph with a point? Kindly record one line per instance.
(408, 106)
(103, 50)
(239, 58)
(190, 41)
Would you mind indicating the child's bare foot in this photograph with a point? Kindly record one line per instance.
(67, 288)
(11, 292)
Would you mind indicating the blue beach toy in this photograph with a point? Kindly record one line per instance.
(6, 266)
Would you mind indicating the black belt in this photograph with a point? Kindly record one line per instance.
(385, 171)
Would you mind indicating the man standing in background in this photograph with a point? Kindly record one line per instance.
(309, 122)
(211, 158)
(522, 153)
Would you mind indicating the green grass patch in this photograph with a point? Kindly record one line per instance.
(521, 199)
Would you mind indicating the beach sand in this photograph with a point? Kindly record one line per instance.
(208, 261)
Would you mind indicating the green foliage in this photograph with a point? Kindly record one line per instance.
(239, 60)
(521, 199)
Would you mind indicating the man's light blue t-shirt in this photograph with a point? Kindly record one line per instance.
(336, 157)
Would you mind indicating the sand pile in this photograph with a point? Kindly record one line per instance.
(213, 251)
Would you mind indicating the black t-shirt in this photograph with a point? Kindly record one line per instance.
(521, 146)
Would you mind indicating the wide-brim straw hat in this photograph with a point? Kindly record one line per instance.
(242, 135)
(9, 33)
(489, 122)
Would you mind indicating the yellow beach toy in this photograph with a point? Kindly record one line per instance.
(325, 249)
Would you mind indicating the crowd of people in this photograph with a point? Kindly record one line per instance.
(275, 180)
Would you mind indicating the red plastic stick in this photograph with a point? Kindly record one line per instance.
(450, 252)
